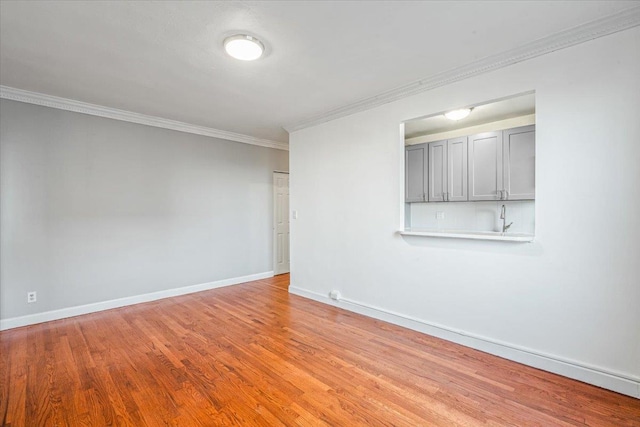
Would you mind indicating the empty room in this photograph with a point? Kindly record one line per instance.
(319, 213)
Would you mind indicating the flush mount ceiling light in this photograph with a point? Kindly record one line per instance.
(243, 47)
(458, 114)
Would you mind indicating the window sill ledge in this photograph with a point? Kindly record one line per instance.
(473, 235)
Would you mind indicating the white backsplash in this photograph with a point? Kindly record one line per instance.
(473, 216)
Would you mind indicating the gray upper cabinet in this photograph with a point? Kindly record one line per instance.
(457, 170)
(519, 158)
(485, 166)
(448, 170)
(437, 171)
(416, 177)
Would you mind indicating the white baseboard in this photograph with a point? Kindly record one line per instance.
(47, 316)
(601, 377)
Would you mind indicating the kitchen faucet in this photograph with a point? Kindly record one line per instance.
(503, 217)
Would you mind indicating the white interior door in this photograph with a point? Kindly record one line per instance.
(281, 222)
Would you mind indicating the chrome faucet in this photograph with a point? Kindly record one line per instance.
(503, 217)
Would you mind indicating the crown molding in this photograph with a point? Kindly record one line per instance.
(128, 116)
(620, 21)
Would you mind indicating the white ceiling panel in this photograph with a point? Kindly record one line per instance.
(165, 59)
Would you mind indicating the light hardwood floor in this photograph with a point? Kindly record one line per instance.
(253, 354)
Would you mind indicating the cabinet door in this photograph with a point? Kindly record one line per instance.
(415, 173)
(485, 166)
(457, 170)
(519, 160)
(437, 171)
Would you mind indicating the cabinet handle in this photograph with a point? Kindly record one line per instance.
(506, 195)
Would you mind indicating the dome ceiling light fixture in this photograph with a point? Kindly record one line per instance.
(243, 47)
(458, 114)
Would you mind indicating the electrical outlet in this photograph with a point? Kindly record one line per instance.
(439, 215)
(31, 296)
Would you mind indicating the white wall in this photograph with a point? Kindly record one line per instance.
(569, 302)
(473, 216)
(94, 209)
(513, 122)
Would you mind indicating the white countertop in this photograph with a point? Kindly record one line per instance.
(475, 235)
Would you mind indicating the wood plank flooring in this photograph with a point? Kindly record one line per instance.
(254, 355)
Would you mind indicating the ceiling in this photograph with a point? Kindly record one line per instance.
(486, 113)
(165, 59)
